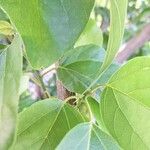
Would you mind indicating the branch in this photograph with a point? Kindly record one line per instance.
(133, 44)
(51, 68)
(63, 93)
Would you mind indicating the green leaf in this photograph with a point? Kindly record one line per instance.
(91, 35)
(94, 107)
(3, 15)
(6, 28)
(25, 101)
(118, 9)
(44, 124)
(125, 105)
(80, 66)
(105, 76)
(10, 73)
(87, 136)
(6, 31)
(24, 83)
(48, 27)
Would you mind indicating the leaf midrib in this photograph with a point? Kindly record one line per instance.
(35, 121)
(130, 97)
(127, 119)
(71, 70)
(51, 126)
(127, 75)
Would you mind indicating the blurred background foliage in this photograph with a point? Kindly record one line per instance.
(138, 16)
(36, 85)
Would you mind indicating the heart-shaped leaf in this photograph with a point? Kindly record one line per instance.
(80, 66)
(125, 105)
(48, 27)
(44, 124)
(86, 136)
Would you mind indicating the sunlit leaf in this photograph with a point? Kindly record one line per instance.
(10, 73)
(125, 105)
(24, 83)
(6, 28)
(91, 35)
(118, 9)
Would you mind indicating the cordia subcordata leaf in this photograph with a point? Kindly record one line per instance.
(44, 124)
(125, 105)
(79, 67)
(92, 34)
(87, 136)
(10, 74)
(94, 108)
(48, 27)
(118, 11)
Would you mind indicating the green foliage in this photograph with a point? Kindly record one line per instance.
(25, 101)
(87, 136)
(49, 27)
(125, 106)
(94, 107)
(91, 35)
(117, 18)
(10, 73)
(80, 66)
(59, 32)
(6, 28)
(44, 124)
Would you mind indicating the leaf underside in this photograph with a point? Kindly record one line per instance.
(86, 136)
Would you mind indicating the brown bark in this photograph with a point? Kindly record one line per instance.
(134, 44)
(63, 93)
